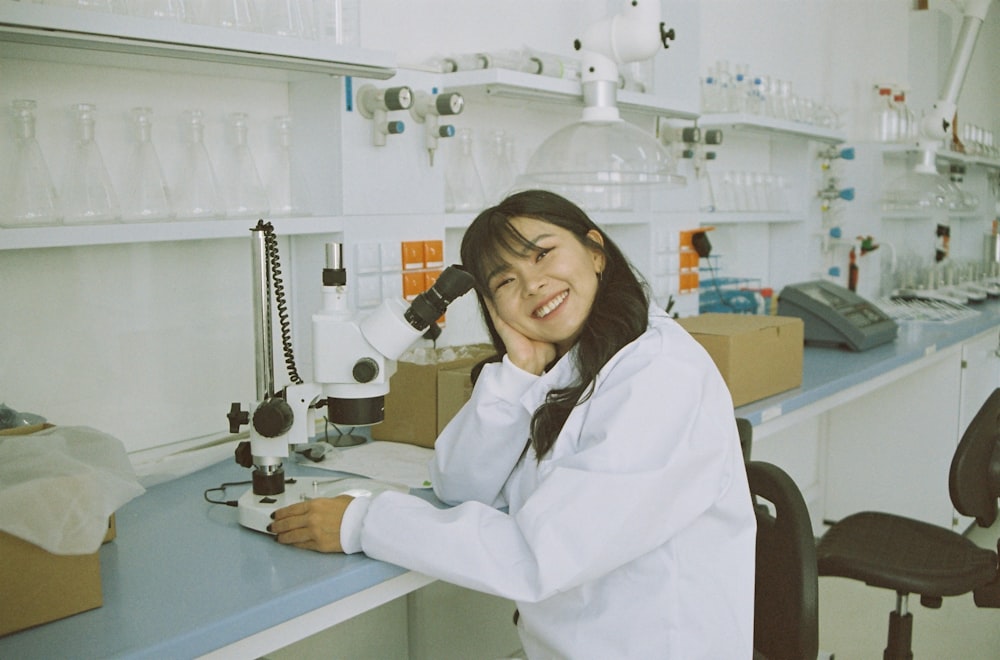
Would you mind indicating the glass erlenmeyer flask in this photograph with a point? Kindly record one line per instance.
(498, 172)
(244, 193)
(464, 188)
(144, 195)
(197, 193)
(87, 194)
(233, 14)
(287, 188)
(29, 198)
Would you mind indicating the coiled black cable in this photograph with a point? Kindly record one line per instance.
(278, 288)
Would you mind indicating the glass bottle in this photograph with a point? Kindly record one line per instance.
(287, 187)
(464, 188)
(885, 116)
(244, 193)
(87, 194)
(197, 193)
(144, 195)
(30, 198)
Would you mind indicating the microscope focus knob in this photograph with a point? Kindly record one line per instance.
(273, 418)
(365, 370)
(244, 455)
(237, 417)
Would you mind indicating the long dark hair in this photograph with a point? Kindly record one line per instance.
(619, 313)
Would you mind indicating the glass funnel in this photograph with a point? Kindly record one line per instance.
(87, 194)
(197, 193)
(144, 195)
(29, 197)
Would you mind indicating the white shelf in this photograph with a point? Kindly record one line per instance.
(947, 156)
(152, 232)
(748, 217)
(747, 122)
(64, 33)
(505, 83)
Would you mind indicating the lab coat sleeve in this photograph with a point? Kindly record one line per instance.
(657, 448)
(476, 451)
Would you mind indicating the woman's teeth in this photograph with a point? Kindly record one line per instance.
(546, 309)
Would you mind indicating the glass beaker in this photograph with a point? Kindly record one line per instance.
(144, 195)
(87, 194)
(196, 192)
(463, 186)
(244, 193)
(287, 187)
(30, 197)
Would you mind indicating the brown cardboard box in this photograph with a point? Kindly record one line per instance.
(757, 355)
(37, 586)
(416, 407)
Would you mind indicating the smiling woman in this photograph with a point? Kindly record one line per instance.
(616, 537)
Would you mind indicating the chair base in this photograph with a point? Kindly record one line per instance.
(899, 646)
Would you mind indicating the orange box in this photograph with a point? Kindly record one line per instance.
(414, 283)
(433, 254)
(413, 255)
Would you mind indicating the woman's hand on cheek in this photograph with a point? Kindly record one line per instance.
(526, 353)
(312, 524)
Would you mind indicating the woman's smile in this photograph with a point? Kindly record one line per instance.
(550, 306)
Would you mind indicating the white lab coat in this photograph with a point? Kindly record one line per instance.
(633, 538)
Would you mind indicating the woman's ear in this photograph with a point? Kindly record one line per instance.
(598, 255)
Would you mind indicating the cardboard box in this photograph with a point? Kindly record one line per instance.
(758, 356)
(37, 586)
(422, 398)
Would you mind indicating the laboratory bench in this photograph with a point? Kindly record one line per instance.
(183, 579)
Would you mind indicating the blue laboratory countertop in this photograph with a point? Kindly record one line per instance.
(829, 371)
(182, 578)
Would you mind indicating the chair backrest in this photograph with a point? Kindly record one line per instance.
(745, 429)
(974, 478)
(786, 600)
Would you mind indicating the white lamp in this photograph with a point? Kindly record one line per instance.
(923, 187)
(602, 154)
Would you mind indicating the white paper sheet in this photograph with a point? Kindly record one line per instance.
(391, 462)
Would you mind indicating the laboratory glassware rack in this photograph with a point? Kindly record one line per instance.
(31, 31)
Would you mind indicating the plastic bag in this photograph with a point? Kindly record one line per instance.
(59, 486)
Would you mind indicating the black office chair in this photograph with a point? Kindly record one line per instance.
(786, 611)
(910, 556)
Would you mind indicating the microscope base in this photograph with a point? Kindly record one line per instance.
(255, 510)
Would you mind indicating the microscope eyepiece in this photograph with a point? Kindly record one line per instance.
(432, 303)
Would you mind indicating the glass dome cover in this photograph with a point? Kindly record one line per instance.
(598, 154)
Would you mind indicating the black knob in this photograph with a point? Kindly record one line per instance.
(273, 418)
(237, 417)
(365, 370)
(244, 456)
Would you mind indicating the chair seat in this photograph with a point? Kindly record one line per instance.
(906, 555)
